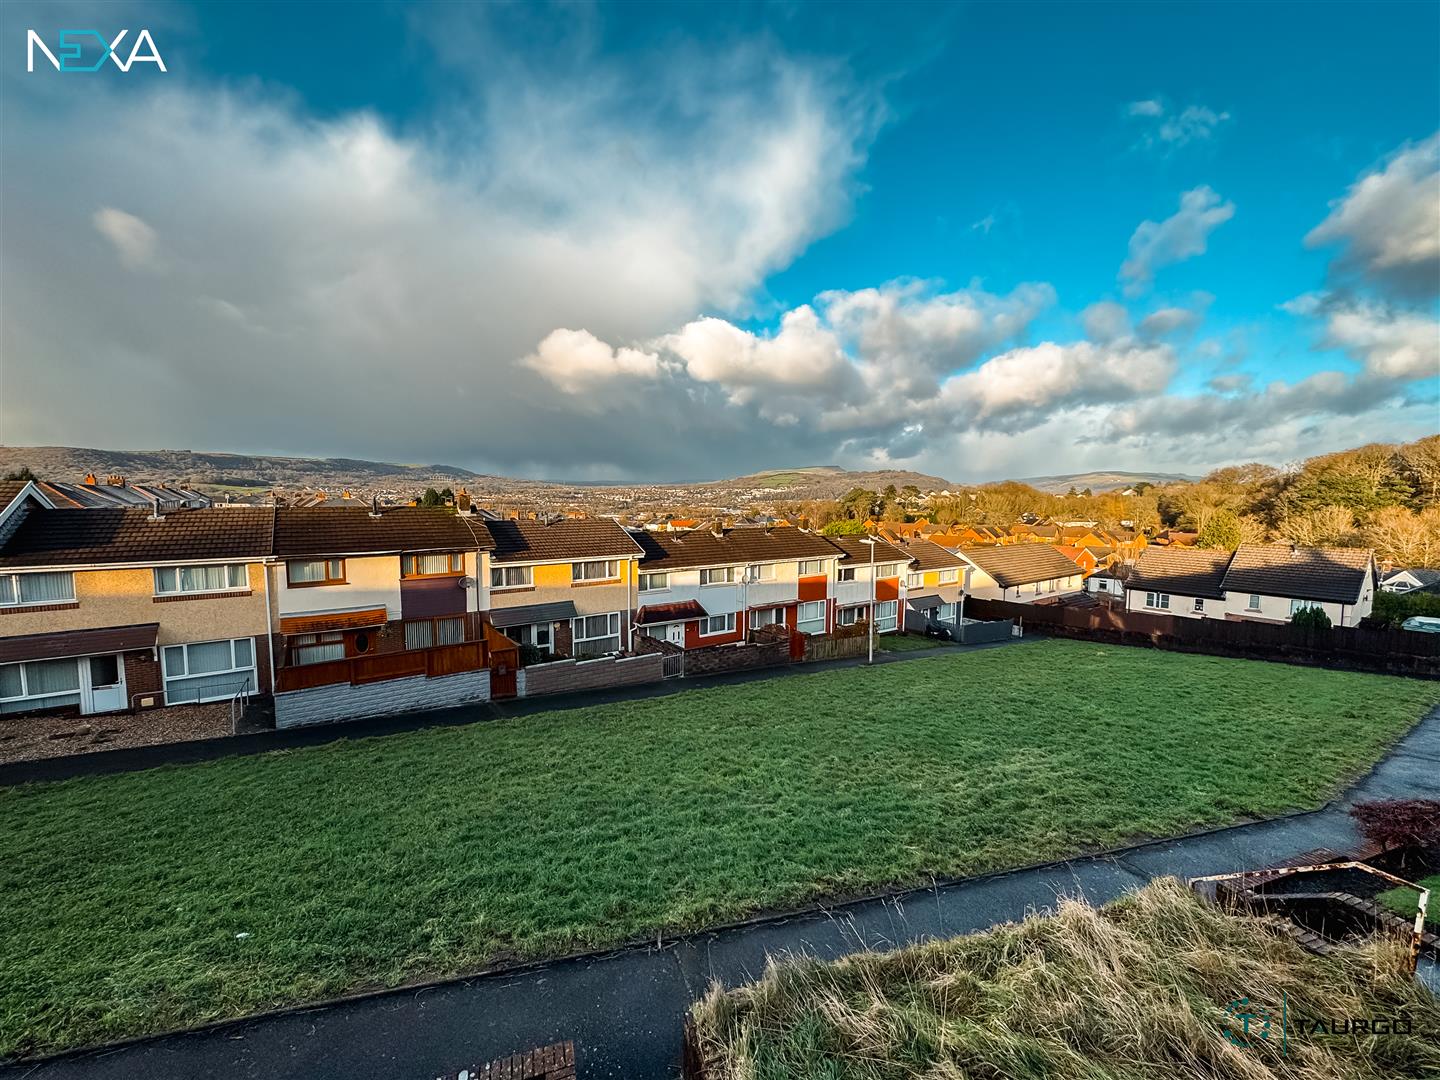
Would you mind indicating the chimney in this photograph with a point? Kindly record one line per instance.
(462, 501)
(90, 479)
(115, 480)
(374, 506)
(155, 514)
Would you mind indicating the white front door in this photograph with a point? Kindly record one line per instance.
(105, 683)
(675, 634)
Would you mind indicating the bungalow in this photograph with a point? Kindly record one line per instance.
(1261, 582)
(868, 574)
(1020, 573)
(934, 586)
(112, 608)
(1416, 579)
(566, 587)
(709, 587)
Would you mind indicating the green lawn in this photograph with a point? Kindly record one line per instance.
(905, 643)
(1402, 901)
(375, 861)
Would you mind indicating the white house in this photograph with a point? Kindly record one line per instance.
(1020, 573)
(1403, 581)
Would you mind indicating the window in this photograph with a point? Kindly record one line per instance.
(718, 624)
(946, 613)
(1159, 601)
(170, 580)
(766, 617)
(914, 581)
(427, 633)
(887, 569)
(316, 648)
(811, 567)
(1199, 604)
(762, 572)
(595, 570)
(717, 575)
(304, 572)
(654, 582)
(1301, 605)
(886, 615)
(949, 577)
(432, 565)
(849, 616)
(56, 587)
(810, 617)
(596, 635)
(511, 577)
(39, 684)
(1254, 604)
(208, 670)
(845, 573)
(537, 634)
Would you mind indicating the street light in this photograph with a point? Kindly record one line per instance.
(874, 593)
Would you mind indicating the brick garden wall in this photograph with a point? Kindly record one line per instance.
(570, 676)
(341, 701)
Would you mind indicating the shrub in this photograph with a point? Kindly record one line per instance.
(530, 654)
(1311, 618)
(1394, 823)
(843, 527)
(1392, 609)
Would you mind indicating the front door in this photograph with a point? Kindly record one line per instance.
(675, 634)
(106, 675)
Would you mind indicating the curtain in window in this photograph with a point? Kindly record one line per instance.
(208, 656)
(432, 564)
(306, 571)
(46, 588)
(200, 578)
(450, 631)
(7, 589)
(419, 635)
(51, 677)
(10, 683)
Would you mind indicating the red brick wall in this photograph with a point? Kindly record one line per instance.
(143, 676)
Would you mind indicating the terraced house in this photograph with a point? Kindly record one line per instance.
(934, 584)
(868, 571)
(566, 587)
(709, 586)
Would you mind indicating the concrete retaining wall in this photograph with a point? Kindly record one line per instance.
(568, 676)
(332, 704)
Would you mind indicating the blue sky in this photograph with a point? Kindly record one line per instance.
(679, 242)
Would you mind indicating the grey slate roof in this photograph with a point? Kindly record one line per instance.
(562, 541)
(1185, 571)
(744, 544)
(1021, 564)
(116, 535)
(1333, 575)
(557, 611)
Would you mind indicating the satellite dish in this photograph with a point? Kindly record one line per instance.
(467, 582)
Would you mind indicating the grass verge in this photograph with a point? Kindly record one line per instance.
(1402, 901)
(153, 900)
(1145, 987)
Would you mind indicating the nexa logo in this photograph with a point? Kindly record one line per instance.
(70, 55)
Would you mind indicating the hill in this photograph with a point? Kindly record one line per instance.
(829, 481)
(1102, 481)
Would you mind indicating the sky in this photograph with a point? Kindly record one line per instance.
(648, 242)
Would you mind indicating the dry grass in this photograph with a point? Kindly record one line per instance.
(1138, 989)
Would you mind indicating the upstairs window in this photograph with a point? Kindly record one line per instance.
(511, 577)
(432, 565)
(302, 573)
(949, 577)
(171, 580)
(718, 575)
(762, 572)
(845, 573)
(654, 582)
(57, 587)
(595, 570)
(914, 581)
(811, 567)
(888, 569)
(1254, 604)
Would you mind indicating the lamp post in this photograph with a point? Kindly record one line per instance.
(873, 596)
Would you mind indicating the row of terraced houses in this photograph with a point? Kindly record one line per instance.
(347, 610)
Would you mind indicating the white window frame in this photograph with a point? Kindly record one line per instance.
(887, 616)
(845, 573)
(1253, 604)
(756, 614)
(914, 581)
(16, 600)
(577, 624)
(249, 671)
(849, 616)
(726, 621)
(584, 571)
(945, 613)
(717, 575)
(1158, 601)
(237, 579)
(764, 571)
(810, 567)
(887, 569)
(25, 701)
(499, 576)
(950, 576)
(647, 580)
(814, 623)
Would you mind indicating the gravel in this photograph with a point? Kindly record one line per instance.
(30, 738)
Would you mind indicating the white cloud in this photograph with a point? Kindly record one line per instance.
(134, 241)
(1149, 107)
(1389, 222)
(1169, 320)
(1167, 129)
(1181, 236)
(1395, 344)
(803, 356)
(576, 361)
(1105, 321)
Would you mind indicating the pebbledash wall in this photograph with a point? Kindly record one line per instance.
(566, 676)
(342, 701)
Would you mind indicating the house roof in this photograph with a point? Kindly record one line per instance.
(64, 643)
(680, 611)
(855, 550)
(1186, 571)
(352, 530)
(1021, 564)
(560, 541)
(925, 555)
(1422, 576)
(1334, 575)
(743, 544)
(116, 535)
(9, 489)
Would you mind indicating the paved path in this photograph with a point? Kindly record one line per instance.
(624, 1009)
(133, 759)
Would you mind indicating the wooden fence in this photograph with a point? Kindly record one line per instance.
(1398, 652)
(359, 670)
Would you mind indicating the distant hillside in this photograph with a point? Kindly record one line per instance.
(828, 481)
(1101, 481)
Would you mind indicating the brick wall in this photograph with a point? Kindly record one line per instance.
(329, 704)
(143, 677)
(568, 676)
(554, 1062)
(723, 658)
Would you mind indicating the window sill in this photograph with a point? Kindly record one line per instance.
(587, 584)
(313, 584)
(168, 599)
(59, 605)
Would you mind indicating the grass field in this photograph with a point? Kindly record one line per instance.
(1402, 901)
(371, 862)
(1143, 988)
(905, 643)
